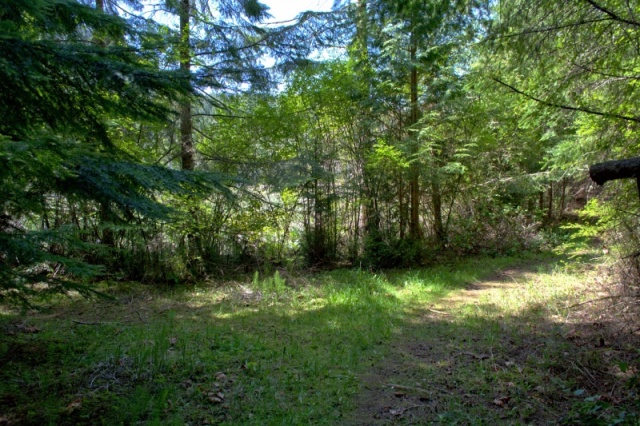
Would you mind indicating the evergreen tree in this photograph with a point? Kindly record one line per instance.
(61, 94)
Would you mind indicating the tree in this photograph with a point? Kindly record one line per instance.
(221, 40)
(578, 63)
(60, 94)
(411, 44)
(577, 57)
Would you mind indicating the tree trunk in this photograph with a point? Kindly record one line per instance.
(362, 48)
(541, 201)
(436, 201)
(563, 197)
(186, 125)
(370, 213)
(550, 201)
(414, 172)
(401, 207)
(602, 173)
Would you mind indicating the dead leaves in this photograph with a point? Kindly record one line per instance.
(502, 401)
(73, 406)
(217, 396)
(22, 328)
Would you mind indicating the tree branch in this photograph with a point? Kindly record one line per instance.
(219, 115)
(612, 14)
(568, 107)
(549, 29)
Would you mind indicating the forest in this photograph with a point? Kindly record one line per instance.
(211, 217)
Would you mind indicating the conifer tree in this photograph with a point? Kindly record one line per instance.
(61, 92)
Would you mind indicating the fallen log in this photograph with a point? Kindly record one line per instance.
(617, 169)
(629, 168)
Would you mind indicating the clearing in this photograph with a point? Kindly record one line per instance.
(502, 341)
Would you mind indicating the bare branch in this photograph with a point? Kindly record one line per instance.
(219, 115)
(568, 107)
(550, 29)
(612, 14)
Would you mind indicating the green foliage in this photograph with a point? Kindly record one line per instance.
(61, 95)
(381, 253)
(349, 160)
(597, 411)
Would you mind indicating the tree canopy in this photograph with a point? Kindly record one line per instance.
(172, 140)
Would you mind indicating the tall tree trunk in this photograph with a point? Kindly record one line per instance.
(439, 228)
(550, 205)
(414, 172)
(362, 34)
(370, 213)
(436, 204)
(186, 125)
(563, 197)
(106, 213)
(195, 248)
(401, 199)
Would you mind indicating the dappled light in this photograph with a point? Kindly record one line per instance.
(489, 339)
(377, 212)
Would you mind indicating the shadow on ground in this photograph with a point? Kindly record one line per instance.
(347, 352)
(464, 361)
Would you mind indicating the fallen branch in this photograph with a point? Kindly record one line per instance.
(600, 299)
(437, 312)
(476, 356)
(411, 388)
(140, 316)
(87, 323)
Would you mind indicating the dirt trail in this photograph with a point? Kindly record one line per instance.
(438, 370)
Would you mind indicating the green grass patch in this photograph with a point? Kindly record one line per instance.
(269, 350)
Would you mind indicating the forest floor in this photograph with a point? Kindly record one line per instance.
(516, 347)
(535, 340)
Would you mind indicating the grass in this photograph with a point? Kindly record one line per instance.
(301, 350)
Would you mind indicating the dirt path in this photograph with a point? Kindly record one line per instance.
(445, 367)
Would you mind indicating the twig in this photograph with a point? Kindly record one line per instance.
(476, 356)
(411, 388)
(567, 107)
(140, 315)
(595, 300)
(403, 410)
(585, 372)
(632, 255)
(437, 312)
(87, 323)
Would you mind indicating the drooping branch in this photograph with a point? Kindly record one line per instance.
(612, 14)
(568, 107)
(549, 29)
